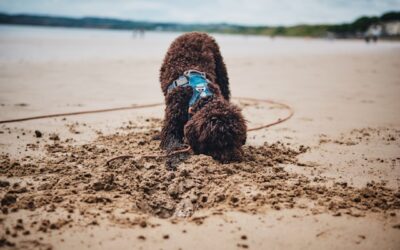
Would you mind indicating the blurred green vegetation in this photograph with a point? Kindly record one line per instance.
(339, 30)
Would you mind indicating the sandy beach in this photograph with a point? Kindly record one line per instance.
(327, 178)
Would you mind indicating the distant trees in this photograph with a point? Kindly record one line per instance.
(390, 16)
(362, 24)
(353, 29)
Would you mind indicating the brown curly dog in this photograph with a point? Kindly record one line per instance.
(195, 84)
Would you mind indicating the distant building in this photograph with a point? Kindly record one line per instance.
(374, 30)
(388, 30)
(392, 28)
(373, 33)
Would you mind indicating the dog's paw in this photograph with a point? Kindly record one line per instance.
(175, 146)
(170, 143)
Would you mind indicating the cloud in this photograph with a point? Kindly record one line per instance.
(248, 12)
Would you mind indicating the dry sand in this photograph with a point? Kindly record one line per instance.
(327, 178)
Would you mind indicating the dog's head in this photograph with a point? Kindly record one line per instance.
(217, 128)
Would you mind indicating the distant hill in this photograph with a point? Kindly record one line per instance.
(345, 30)
(108, 23)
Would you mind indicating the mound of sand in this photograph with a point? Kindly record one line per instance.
(76, 177)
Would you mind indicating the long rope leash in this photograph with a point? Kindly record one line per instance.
(179, 151)
(81, 112)
(280, 120)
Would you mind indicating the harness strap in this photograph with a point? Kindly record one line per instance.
(197, 81)
(182, 80)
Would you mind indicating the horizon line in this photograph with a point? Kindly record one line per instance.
(188, 24)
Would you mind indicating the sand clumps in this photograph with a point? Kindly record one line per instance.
(76, 185)
(76, 178)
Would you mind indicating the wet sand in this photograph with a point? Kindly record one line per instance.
(327, 178)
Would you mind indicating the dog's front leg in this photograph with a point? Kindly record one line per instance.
(176, 116)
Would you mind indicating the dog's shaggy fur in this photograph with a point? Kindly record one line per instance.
(217, 127)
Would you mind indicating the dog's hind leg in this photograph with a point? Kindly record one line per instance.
(176, 116)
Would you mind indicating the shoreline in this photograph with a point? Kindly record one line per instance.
(382, 39)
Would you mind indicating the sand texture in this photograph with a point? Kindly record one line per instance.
(328, 178)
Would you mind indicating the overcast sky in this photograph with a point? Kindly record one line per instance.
(248, 12)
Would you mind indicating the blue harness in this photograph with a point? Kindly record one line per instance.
(197, 81)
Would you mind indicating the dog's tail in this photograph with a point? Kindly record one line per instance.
(221, 72)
